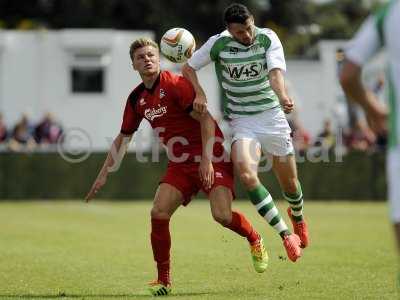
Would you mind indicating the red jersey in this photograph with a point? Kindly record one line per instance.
(167, 106)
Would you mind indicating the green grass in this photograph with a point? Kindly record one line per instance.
(71, 250)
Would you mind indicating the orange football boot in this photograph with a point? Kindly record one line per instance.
(300, 228)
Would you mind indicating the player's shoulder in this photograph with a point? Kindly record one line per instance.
(268, 32)
(172, 80)
(136, 93)
(169, 77)
(217, 43)
(383, 10)
(267, 36)
(223, 37)
(381, 15)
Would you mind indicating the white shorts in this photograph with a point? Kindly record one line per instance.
(269, 129)
(393, 173)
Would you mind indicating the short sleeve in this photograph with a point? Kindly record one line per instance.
(131, 119)
(202, 56)
(274, 54)
(365, 43)
(185, 93)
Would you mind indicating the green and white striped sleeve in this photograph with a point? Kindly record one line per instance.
(274, 55)
(202, 56)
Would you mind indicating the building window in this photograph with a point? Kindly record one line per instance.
(88, 72)
(87, 80)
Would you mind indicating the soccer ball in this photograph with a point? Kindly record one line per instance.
(177, 44)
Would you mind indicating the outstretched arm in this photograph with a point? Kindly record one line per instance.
(111, 164)
(277, 82)
(200, 102)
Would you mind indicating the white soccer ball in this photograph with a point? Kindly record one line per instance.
(178, 45)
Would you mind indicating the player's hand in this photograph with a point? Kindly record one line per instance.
(206, 173)
(200, 104)
(287, 104)
(97, 185)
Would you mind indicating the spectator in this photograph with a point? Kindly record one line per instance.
(301, 137)
(3, 130)
(327, 138)
(47, 131)
(26, 123)
(22, 138)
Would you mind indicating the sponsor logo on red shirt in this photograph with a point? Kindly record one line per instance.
(152, 113)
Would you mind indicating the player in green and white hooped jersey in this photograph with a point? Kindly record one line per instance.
(249, 63)
(379, 30)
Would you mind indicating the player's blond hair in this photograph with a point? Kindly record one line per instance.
(139, 43)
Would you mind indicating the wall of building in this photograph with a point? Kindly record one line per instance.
(35, 78)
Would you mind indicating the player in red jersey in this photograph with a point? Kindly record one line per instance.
(165, 100)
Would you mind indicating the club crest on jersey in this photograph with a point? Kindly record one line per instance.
(233, 50)
(255, 47)
(162, 93)
(152, 113)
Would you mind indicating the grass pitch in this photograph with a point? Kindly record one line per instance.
(72, 250)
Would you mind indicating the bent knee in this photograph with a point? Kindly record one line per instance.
(159, 213)
(249, 180)
(290, 186)
(223, 218)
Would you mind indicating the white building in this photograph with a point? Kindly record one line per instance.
(82, 77)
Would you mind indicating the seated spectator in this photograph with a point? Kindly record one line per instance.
(327, 138)
(301, 137)
(3, 130)
(47, 131)
(22, 139)
(26, 123)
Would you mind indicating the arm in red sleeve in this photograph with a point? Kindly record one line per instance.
(131, 119)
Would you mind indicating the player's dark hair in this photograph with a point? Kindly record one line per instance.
(236, 13)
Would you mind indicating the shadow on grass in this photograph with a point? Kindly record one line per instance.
(103, 296)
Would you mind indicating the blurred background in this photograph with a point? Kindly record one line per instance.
(65, 74)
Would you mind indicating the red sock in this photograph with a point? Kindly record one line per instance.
(242, 226)
(161, 244)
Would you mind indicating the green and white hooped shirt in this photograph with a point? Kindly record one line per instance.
(382, 30)
(242, 71)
